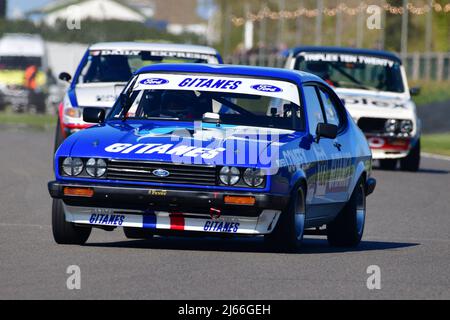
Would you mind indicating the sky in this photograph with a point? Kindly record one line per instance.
(14, 6)
(17, 6)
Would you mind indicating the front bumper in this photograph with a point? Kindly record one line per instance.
(126, 197)
(169, 209)
(384, 147)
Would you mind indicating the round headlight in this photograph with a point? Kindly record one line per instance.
(406, 126)
(253, 177)
(229, 175)
(72, 166)
(390, 126)
(96, 167)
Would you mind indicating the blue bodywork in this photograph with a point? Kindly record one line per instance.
(329, 173)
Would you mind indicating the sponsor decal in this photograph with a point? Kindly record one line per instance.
(209, 83)
(375, 103)
(348, 58)
(185, 55)
(221, 226)
(107, 219)
(159, 193)
(168, 149)
(154, 81)
(266, 88)
(116, 52)
(161, 173)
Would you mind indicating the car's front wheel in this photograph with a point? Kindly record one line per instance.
(288, 233)
(412, 161)
(346, 230)
(66, 232)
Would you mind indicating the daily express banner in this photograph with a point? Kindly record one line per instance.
(254, 86)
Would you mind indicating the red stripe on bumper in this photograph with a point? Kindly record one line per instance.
(176, 221)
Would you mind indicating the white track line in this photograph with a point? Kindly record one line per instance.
(435, 156)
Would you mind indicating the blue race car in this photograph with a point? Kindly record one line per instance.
(216, 150)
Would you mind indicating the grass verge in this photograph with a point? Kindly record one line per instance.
(436, 143)
(34, 121)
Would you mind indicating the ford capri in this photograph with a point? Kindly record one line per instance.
(196, 149)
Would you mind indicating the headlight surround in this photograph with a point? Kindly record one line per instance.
(253, 177)
(72, 166)
(96, 167)
(406, 126)
(229, 175)
(391, 126)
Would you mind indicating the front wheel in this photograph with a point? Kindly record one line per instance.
(66, 232)
(347, 228)
(288, 233)
(412, 161)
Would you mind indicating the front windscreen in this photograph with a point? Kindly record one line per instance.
(236, 102)
(353, 71)
(119, 65)
(19, 62)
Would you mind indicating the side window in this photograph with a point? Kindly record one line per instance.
(330, 109)
(313, 108)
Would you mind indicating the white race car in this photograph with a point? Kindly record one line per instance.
(374, 88)
(106, 68)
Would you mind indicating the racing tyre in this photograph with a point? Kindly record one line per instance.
(388, 164)
(347, 228)
(412, 161)
(58, 136)
(288, 233)
(137, 233)
(66, 232)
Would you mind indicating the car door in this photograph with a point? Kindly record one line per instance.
(339, 150)
(317, 157)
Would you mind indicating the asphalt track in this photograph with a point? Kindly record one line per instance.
(407, 236)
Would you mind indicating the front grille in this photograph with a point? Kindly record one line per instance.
(372, 125)
(142, 171)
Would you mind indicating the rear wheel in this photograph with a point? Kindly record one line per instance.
(288, 233)
(412, 161)
(137, 233)
(348, 227)
(388, 164)
(66, 232)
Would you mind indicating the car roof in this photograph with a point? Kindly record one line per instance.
(224, 69)
(344, 50)
(153, 46)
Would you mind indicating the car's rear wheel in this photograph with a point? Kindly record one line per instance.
(388, 164)
(348, 227)
(59, 138)
(137, 233)
(288, 233)
(412, 161)
(66, 232)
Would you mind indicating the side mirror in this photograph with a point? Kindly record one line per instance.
(326, 130)
(210, 117)
(414, 91)
(64, 76)
(93, 115)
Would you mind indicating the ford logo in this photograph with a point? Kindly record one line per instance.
(266, 88)
(154, 81)
(161, 173)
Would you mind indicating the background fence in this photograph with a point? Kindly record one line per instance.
(419, 66)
